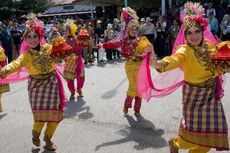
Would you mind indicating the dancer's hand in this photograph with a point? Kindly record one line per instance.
(150, 48)
(98, 46)
(2, 73)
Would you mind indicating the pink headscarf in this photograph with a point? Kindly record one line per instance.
(33, 24)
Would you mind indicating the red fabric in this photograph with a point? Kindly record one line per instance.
(125, 45)
(128, 102)
(223, 53)
(137, 105)
(62, 48)
(2, 63)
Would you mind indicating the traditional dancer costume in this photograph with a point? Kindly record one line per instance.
(203, 125)
(74, 67)
(45, 88)
(4, 87)
(132, 49)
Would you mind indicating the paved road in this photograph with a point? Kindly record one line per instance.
(96, 123)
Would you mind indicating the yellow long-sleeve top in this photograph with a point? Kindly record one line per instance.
(196, 63)
(2, 54)
(37, 62)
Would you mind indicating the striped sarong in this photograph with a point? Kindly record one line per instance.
(70, 69)
(44, 99)
(203, 121)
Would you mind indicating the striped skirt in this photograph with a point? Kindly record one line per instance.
(70, 69)
(203, 121)
(45, 99)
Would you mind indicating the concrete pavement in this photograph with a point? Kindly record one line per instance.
(96, 123)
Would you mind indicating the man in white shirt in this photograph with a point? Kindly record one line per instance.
(149, 30)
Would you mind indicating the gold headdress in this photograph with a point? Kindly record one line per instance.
(129, 18)
(193, 16)
(33, 24)
(71, 26)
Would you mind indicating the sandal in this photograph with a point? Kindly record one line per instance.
(35, 138)
(171, 147)
(137, 114)
(49, 144)
(80, 93)
(72, 98)
(125, 110)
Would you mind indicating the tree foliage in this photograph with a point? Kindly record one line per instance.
(17, 8)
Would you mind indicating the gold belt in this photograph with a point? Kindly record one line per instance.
(208, 83)
(134, 59)
(42, 76)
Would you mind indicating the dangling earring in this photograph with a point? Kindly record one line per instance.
(185, 41)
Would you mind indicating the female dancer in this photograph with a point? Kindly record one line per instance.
(4, 87)
(133, 48)
(45, 89)
(74, 67)
(203, 125)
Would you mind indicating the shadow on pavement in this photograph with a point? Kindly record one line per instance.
(101, 64)
(89, 65)
(77, 108)
(111, 93)
(35, 150)
(141, 131)
(2, 115)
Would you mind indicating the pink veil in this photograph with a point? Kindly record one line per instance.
(154, 84)
(23, 73)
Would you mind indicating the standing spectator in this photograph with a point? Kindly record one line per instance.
(174, 29)
(98, 32)
(99, 35)
(226, 29)
(149, 30)
(159, 46)
(21, 26)
(220, 12)
(116, 29)
(109, 35)
(87, 53)
(140, 30)
(210, 10)
(17, 40)
(154, 14)
(7, 43)
(174, 11)
(213, 23)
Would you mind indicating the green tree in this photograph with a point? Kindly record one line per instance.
(36, 6)
(17, 8)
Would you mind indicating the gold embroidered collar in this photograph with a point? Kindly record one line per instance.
(41, 60)
(203, 56)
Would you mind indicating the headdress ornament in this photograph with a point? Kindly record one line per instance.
(129, 18)
(33, 24)
(71, 26)
(83, 38)
(60, 47)
(193, 16)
